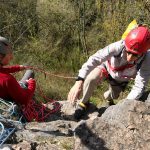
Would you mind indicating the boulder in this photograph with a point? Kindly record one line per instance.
(125, 126)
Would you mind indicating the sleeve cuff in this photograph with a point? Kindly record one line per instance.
(79, 79)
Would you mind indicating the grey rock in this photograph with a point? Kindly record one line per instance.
(125, 126)
(5, 147)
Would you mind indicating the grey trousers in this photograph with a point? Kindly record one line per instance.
(28, 74)
(91, 82)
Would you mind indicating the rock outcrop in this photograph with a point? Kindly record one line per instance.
(125, 126)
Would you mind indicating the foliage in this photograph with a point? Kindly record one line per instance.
(60, 35)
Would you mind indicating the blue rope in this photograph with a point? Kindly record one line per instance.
(1, 129)
(10, 106)
(5, 134)
(6, 117)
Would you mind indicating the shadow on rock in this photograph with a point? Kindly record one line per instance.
(145, 96)
(101, 111)
(87, 138)
(91, 109)
(91, 112)
(56, 132)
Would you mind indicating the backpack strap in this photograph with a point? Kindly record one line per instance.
(139, 64)
(121, 68)
(122, 49)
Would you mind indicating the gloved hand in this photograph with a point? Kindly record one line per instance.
(75, 91)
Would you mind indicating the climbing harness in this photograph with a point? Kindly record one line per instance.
(120, 68)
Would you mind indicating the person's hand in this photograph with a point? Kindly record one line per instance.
(75, 91)
(31, 79)
(22, 67)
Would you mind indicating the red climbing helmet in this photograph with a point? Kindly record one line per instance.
(138, 40)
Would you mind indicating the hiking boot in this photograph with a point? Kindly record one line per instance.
(80, 111)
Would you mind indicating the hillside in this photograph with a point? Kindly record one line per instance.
(59, 36)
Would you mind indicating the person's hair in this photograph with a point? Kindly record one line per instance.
(1, 58)
(5, 46)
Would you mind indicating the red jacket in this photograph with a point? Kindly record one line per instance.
(10, 88)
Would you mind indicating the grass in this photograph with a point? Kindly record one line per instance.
(57, 88)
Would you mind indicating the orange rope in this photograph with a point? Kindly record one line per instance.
(38, 111)
(47, 73)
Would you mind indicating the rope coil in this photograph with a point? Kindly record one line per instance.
(38, 111)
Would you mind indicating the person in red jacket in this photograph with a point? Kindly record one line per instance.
(10, 89)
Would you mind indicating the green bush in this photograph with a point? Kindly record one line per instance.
(58, 36)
